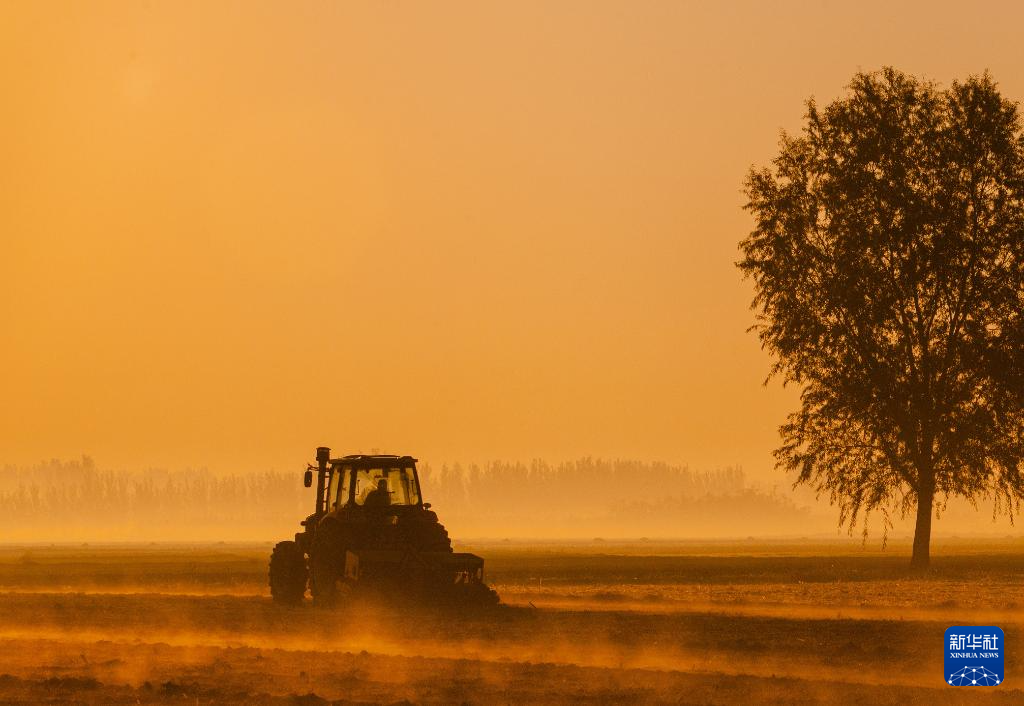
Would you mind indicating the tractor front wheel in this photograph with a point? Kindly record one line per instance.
(287, 573)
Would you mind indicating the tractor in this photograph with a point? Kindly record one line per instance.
(371, 535)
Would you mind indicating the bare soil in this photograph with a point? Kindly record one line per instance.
(585, 623)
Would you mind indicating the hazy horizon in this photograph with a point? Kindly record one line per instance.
(581, 500)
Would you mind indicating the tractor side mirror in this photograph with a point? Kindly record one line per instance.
(307, 479)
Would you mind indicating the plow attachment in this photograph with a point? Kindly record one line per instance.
(438, 576)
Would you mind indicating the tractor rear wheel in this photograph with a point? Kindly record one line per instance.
(438, 539)
(429, 537)
(288, 573)
(327, 563)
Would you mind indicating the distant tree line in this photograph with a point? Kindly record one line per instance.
(72, 500)
(611, 498)
(77, 497)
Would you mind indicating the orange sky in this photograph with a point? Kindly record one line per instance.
(230, 232)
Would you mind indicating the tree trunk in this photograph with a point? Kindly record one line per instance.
(923, 530)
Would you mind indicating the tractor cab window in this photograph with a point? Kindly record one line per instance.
(400, 483)
(340, 479)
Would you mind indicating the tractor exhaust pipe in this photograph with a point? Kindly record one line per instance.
(323, 457)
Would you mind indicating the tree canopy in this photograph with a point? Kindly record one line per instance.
(887, 257)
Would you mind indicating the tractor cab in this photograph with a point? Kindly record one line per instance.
(379, 481)
(362, 481)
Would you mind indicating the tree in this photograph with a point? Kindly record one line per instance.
(887, 259)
